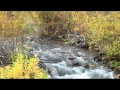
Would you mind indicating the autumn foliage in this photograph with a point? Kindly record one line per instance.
(23, 68)
(101, 28)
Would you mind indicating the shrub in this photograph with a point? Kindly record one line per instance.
(53, 24)
(104, 31)
(23, 68)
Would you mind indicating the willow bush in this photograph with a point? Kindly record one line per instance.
(12, 28)
(23, 68)
(104, 31)
(53, 24)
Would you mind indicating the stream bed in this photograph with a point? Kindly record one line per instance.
(67, 62)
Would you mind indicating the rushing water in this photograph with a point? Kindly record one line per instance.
(66, 62)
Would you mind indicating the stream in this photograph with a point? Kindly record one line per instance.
(67, 62)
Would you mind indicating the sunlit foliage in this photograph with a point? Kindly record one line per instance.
(23, 68)
(104, 31)
(11, 24)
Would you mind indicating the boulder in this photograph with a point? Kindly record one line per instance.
(117, 76)
(71, 57)
(68, 63)
(85, 45)
(78, 70)
(63, 70)
(80, 54)
(50, 69)
(97, 57)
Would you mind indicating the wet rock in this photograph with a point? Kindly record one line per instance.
(63, 70)
(90, 62)
(92, 66)
(42, 65)
(50, 69)
(56, 50)
(79, 61)
(96, 50)
(71, 58)
(87, 66)
(53, 72)
(117, 76)
(80, 41)
(97, 58)
(46, 60)
(104, 62)
(69, 63)
(85, 45)
(77, 70)
(80, 54)
(82, 69)
(34, 45)
(75, 64)
(50, 56)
